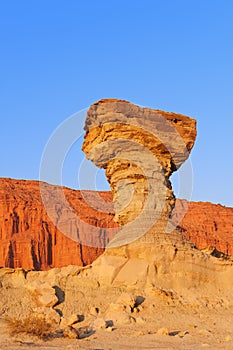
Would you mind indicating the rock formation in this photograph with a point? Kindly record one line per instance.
(29, 239)
(139, 148)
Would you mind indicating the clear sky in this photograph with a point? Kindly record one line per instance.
(58, 57)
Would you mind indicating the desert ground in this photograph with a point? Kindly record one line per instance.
(165, 327)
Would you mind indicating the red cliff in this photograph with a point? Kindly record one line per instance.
(29, 239)
(207, 224)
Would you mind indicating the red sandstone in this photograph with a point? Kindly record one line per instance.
(30, 240)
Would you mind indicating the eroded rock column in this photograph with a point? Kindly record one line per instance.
(139, 148)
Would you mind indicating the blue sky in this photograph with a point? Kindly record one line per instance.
(58, 57)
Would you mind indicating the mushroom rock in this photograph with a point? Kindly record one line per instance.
(139, 148)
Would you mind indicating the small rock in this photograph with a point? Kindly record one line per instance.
(140, 308)
(163, 331)
(68, 321)
(47, 300)
(43, 293)
(139, 334)
(204, 332)
(109, 329)
(71, 333)
(182, 334)
(99, 323)
(193, 326)
(119, 307)
(119, 317)
(85, 332)
(228, 338)
(94, 311)
(127, 299)
(48, 314)
(140, 320)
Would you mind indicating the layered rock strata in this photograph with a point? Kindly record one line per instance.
(29, 239)
(206, 224)
(139, 148)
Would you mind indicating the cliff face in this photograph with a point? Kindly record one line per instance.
(29, 239)
(206, 224)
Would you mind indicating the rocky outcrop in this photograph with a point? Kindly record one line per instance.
(29, 239)
(139, 148)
